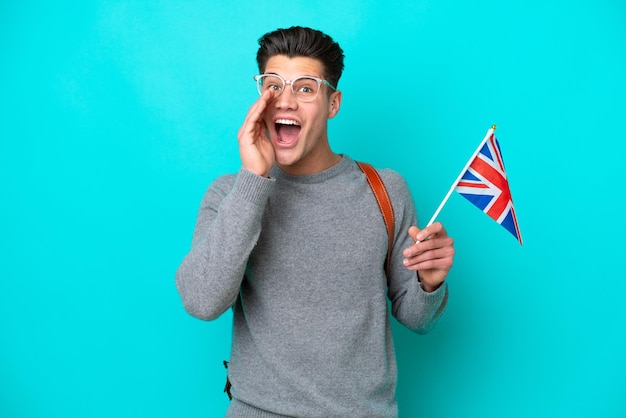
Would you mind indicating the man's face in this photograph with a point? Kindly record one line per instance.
(298, 130)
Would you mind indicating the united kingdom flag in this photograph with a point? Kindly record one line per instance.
(485, 184)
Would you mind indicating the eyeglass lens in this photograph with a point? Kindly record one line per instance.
(304, 88)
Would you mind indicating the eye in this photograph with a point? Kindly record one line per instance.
(270, 82)
(306, 86)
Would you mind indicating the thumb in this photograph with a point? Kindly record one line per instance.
(413, 231)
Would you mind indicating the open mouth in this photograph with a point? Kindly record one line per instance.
(287, 130)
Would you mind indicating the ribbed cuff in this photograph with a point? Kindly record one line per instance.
(252, 188)
(435, 297)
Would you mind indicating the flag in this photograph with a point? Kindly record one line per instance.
(485, 184)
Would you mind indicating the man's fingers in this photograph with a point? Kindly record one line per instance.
(253, 125)
(428, 244)
(437, 259)
(428, 232)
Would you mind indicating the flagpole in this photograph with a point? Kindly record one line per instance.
(445, 199)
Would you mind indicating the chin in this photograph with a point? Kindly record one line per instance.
(286, 160)
(288, 157)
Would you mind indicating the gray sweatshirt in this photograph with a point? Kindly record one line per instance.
(301, 261)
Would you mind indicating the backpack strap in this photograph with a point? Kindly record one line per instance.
(384, 203)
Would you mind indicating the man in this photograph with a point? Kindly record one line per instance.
(296, 244)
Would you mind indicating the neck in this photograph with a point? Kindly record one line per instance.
(313, 165)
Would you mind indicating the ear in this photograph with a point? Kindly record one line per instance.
(334, 104)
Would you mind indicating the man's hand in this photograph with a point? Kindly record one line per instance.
(255, 149)
(431, 256)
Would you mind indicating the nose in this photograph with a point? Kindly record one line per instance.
(286, 100)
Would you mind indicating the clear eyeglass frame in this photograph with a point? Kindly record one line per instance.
(299, 95)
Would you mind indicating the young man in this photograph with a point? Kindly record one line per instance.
(296, 244)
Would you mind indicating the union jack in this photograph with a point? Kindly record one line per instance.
(485, 184)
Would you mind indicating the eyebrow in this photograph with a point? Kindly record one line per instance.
(303, 75)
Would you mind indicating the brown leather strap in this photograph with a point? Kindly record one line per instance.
(384, 203)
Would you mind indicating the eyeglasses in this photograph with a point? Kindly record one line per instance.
(304, 88)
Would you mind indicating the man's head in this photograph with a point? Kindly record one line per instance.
(296, 65)
(302, 42)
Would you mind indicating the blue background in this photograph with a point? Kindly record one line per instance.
(116, 115)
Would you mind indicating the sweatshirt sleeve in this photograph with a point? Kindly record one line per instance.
(410, 304)
(227, 228)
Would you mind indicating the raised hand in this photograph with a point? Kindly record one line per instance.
(255, 149)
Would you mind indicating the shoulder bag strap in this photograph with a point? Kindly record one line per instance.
(384, 203)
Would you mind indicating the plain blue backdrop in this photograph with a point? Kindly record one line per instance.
(116, 115)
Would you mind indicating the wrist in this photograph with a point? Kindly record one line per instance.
(257, 171)
(427, 287)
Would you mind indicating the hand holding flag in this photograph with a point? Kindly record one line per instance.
(431, 256)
